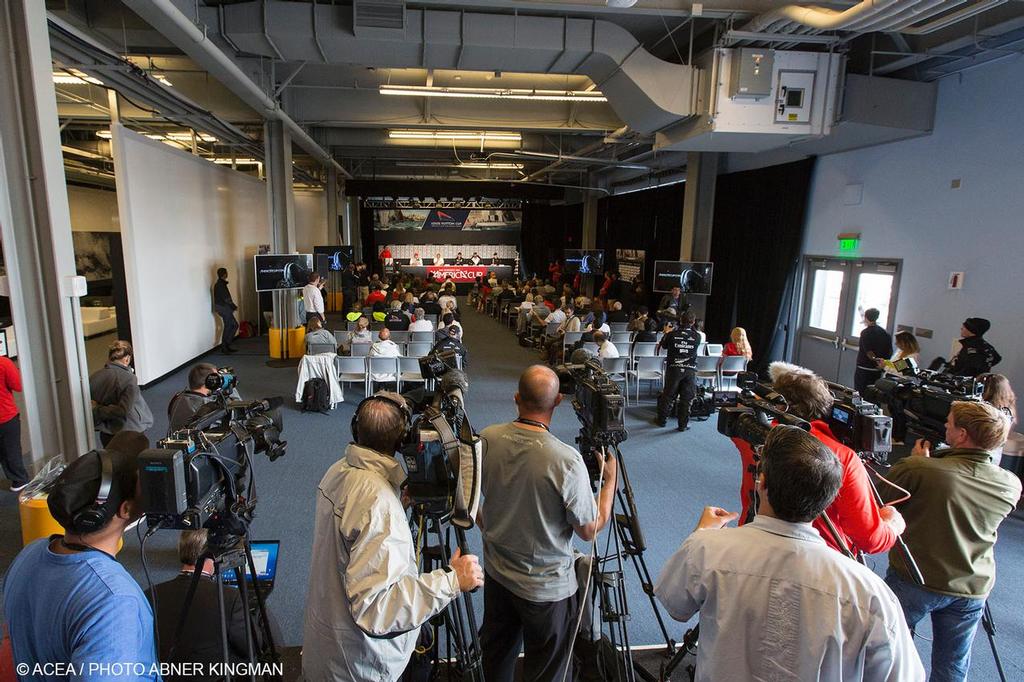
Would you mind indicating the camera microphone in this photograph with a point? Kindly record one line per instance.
(580, 356)
(271, 403)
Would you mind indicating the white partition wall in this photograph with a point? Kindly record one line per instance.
(181, 218)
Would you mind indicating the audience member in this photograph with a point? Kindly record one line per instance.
(638, 320)
(875, 344)
(738, 344)
(448, 320)
(396, 320)
(605, 348)
(451, 342)
(224, 306)
(361, 334)
(429, 304)
(386, 348)
(535, 494)
(316, 334)
(957, 499)
(117, 402)
(617, 314)
(775, 602)
(998, 393)
(448, 298)
(674, 300)
(66, 598)
(367, 599)
(376, 296)
(681, 345)
(10, 426)
(421, 324)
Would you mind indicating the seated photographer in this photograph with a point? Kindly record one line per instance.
(316, 334)
(452, 342)
(535, 494)
(775, 602)
(200, 640)
(367, 598)
(184, 404)
(605, 348)
(861, 525)
(447, 320)
(67, 600)
(958, 498)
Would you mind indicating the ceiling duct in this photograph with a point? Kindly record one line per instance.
(646, 92)
(378, 18)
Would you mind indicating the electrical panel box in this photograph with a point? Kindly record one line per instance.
(751, 73)
(794, 96)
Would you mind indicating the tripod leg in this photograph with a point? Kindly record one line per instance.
(189, 596)
(223, 623)
(243, 590)
(990, 632)
(263, 617)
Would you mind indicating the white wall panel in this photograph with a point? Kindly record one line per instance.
(92, 210)
(310, 221)
(181, 219)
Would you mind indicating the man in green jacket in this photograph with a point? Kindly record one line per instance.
(958, 498)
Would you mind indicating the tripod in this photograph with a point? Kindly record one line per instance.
(232, 553)
(625, 539)
(457, 620)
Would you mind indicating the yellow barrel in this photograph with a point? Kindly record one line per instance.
(275, 343)
(296, 342)
(336, 302)
(36, 521)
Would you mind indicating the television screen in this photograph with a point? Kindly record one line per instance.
(583, 262)
(692, 278)
(282, 271)
(332, 258)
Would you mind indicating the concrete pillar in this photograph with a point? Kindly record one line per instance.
(331, 194)
(589, 240)
(351, 229)
(35, 225)
(281, 205)
(698, 215)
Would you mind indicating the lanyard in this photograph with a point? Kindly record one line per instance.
(532, 422)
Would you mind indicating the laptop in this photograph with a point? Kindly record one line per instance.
(264, 555)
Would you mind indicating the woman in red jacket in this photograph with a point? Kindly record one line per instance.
(10, 426)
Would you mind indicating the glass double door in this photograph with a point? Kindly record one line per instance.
(836, 294)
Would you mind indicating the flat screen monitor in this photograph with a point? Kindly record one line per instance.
(332, 258)
(282, 271)
(583, 262)
(692, 278)
(264, 556)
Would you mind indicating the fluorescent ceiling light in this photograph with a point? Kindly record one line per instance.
(454, 135)
(238, 162)
(74, 77)
(495, 93)
(176, 137)
(493, 166)
(162, 79)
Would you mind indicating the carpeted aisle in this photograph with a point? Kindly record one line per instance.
(673, 476)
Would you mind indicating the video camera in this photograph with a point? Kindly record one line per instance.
(756, 406)
(596, 401)
(924, 397)
(442, 454)
(859, 424)
(201, 475)
(223, 382)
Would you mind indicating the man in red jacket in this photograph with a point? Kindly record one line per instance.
(10, 426)
(861, 525)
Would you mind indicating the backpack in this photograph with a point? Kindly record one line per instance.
(245, 330)
(316, 396)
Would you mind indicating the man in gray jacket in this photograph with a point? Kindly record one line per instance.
(367, 599)
(117, 402)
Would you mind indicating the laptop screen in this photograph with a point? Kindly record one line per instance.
(264, 556)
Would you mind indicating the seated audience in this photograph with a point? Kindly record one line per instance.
(775, 602)
(617, 314)
(376, 296)
(316, 334)
(447, 320)
(384, 346)
(448, 297)
(428, 302)
(421, 324)
(361, 334)
(738, 345)
(639, 319)
(67, 600)
(957, 499)
(184, 404)
(605, 348)
(396, 320)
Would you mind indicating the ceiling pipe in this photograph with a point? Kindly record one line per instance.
(568, 158)
(818, 17)
(179, 29)
(583, 151)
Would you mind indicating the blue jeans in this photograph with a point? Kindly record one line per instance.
(954, 624)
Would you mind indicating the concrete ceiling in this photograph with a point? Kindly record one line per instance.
(337, 100)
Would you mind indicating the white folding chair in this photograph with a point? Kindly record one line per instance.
(617, 326)
(714, 349)
(551, 329)
(617, 370)
(643, 349)
(417, 350)
(731, 366)
(351, 370)
(623, 348)
(360, 349)
(380, 369)
(621, 336)
(318, 348)
(400, 337)
(422, 337)
(409, 372)
(647, 368)
(702, 349)
(707, 370)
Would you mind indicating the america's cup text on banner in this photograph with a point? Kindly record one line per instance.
(458, 273)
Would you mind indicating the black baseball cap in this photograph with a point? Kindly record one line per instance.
(78, 485)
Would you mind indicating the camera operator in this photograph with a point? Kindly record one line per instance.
(450, 341)
(184, 404)
(536, 493)
(860, 524)
(958, 498)
(200, 640)
(775, 602)
(367, 598)
(66, 598)
(976, 356)
(681, 343)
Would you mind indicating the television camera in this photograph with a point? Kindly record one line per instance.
(223, 382)
(756, 405)
(923, 397)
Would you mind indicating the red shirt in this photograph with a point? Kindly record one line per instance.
(854, 512)
(375, 296)
(11, 381)
(730, 349)
(386, 253)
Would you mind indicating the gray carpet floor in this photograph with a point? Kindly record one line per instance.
(674, 475)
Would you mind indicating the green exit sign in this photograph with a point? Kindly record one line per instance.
(848, 245)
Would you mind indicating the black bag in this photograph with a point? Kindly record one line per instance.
(316, 396)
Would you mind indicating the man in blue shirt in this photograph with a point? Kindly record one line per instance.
(67, 601)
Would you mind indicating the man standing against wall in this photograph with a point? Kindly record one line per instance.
(225, 307)
(875, 344)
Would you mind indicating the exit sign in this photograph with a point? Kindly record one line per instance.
(849, 242)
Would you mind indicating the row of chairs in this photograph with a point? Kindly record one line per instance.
(374, 369)
(398, 337)
(354, 324)
(411, 349)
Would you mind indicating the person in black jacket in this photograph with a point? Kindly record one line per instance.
(681, 374)
(451, 342)
(349, 287)
(200, 640)
(875, 344)
(976, 356)
(225, 307)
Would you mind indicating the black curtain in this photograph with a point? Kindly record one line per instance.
(755, 246)
(549, 229)
(368, 240)
(651, 220)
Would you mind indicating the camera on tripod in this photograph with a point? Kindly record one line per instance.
(859, 424)
(596, 401)
(923, 397)
(201, 475)
(756, 405)
(442, 454)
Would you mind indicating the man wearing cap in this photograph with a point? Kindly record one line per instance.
(451, 343)
(67, 601)
(976, 356)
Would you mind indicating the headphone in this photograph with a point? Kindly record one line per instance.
(402, 407)
(95, 516)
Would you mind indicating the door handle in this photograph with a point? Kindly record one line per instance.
(835, 343)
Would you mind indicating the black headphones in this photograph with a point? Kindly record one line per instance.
(95, 516)
(401, 406)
